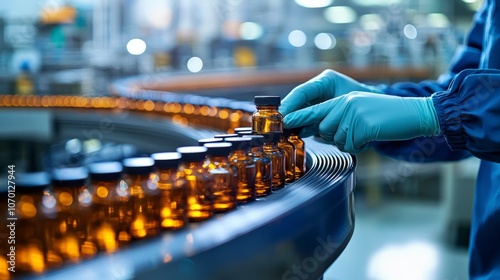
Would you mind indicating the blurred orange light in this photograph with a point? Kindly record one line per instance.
(15, 100)
(205, 110)
(45, 101)
(188, 108)
(234, 117)
(213, 111)
(223, 114)
(36, 101)
(149, 105)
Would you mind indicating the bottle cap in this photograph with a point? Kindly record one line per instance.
(267, 101)
(244, 128)
(244, 133)
(224, 136)
(204, 141)
(271, 137)
(257, 140)
(31, 182)
(105, 171)
(239, 143)
(294, 131)
(192, 153)
(167, 160)
(138, 165)
(69, 177)
(218, 149)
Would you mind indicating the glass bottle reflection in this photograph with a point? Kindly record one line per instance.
(221, 174)
(198, 184)
(109, 210)
(263, 166)
(277, 157)
(300, 152)
(289, 150)
(173, 197)
(34, 207)
(143, 206)
(243, 168)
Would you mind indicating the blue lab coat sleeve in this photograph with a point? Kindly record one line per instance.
(469, 113)
(430, 149)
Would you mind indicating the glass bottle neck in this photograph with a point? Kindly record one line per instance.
(267, 107)
(217, 158)
(192, 164)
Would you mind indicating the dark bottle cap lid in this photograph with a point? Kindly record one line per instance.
(245, 133)
(167, 160)
(257, 140)
(218, 149)
(244, 128)
(224, 136)
(204, 141)
(105, 171)
(267, 101)
(289, 131)
(192, 153)
(69, 177)
(239, 143)
(271, 137)
(138, 165)
(30, 182)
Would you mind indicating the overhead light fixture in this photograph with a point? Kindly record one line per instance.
(340, 14)
(250, 31)
(297, 38)
(136, 46)
(410, 31)
(325, 41)
(314, 3)
(195, 64)
(376, 2)
(437, 20)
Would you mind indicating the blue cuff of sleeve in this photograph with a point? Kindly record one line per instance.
(450, 122)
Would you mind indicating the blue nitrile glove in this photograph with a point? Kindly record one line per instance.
(352, 121)
(327, 85)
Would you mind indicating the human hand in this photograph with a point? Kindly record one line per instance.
(352, 121)
(329, 84)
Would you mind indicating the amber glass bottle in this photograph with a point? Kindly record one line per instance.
(198, 184)
(204, 141)
(109, 225)
(277, 158)
(300, 152)
(289, 150)
(143, 206)
(34, 208)
(243, 168)
(263, 166)
(267, 118)
(173, 200)
(221, 174)
(71, 238)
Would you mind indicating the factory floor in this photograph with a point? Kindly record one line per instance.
(399, 240)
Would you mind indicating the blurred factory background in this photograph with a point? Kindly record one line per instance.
(412, 220)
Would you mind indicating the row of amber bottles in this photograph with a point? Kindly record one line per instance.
(267, 119)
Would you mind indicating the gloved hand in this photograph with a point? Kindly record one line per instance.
(352, 121)
(329, 84)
